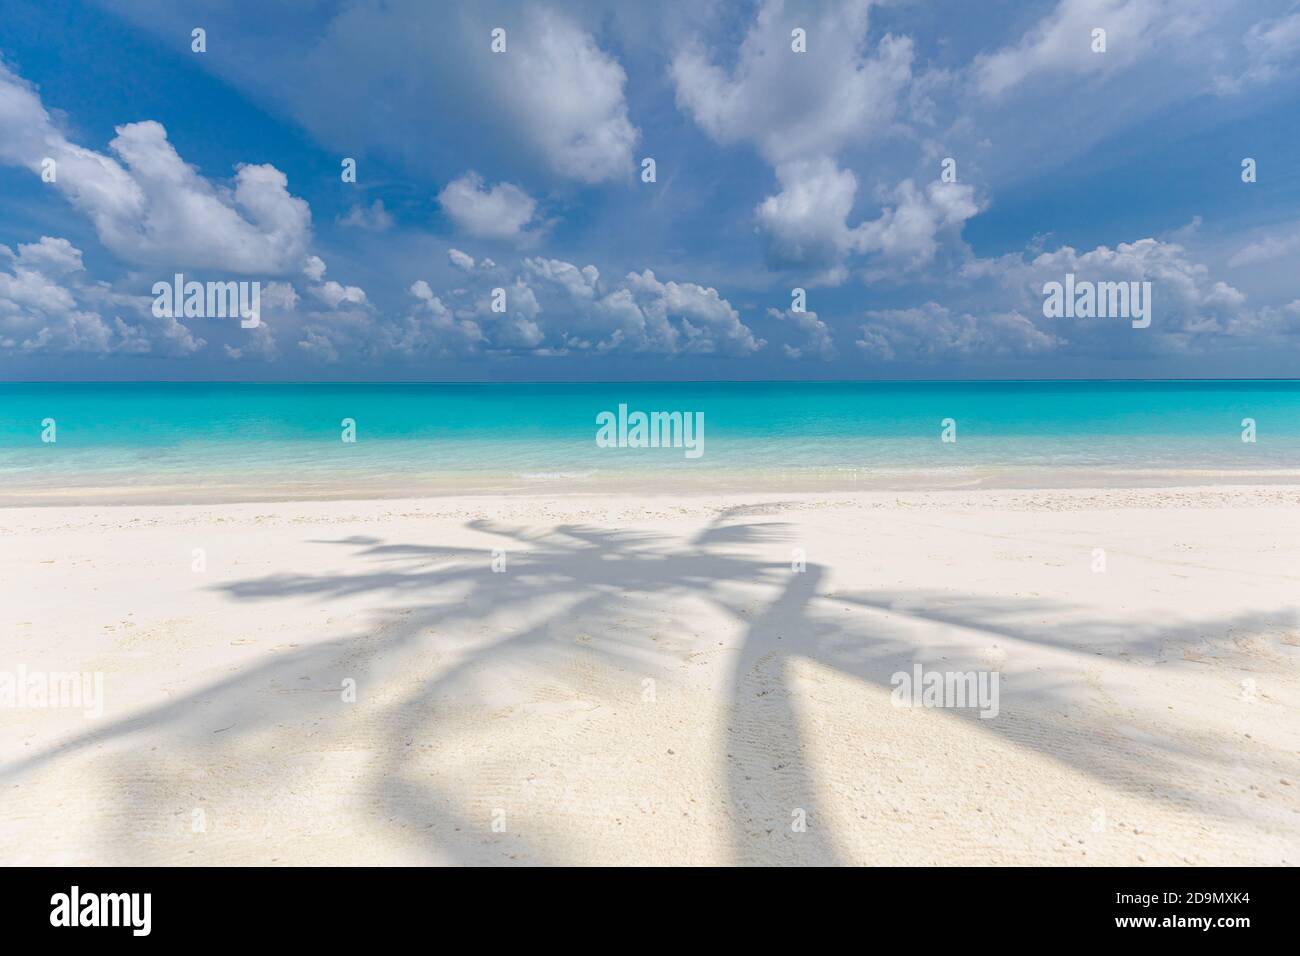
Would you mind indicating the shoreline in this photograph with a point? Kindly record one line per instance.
(650, 485)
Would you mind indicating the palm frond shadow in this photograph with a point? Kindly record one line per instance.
(589, 569)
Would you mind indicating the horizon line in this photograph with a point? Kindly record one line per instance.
(722, 381)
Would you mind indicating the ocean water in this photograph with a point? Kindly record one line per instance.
(245, 441)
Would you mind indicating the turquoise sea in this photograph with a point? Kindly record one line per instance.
(195, 441)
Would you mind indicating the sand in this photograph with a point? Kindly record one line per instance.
(651, 679)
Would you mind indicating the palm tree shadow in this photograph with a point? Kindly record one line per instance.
(589, 571)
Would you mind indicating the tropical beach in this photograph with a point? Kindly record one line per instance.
(589, 433)
(649, 681)
(655, 676)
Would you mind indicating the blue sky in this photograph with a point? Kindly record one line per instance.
(775, 170)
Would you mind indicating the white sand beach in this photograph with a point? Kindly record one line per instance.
(649, 680)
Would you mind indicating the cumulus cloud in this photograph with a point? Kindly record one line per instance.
(502, 212)
(461, 260)
(259, 344)
(279, 301)
(345, 322)
(797, 105)
(1186, 299)
(340, 334)
(702, 321)
(555, 105)
(800, 111)
(806, 223)
(314, 268)
(342, 323)
(38, 312)
(579, 283)
(933, 332)
(279, 297)
(817, 342)
(333, 294)
(48, 305)
(568, 94)
(555, 307)
(150, 207)
(910, 229)
(999, 312)
(432, 328)
(372, 218)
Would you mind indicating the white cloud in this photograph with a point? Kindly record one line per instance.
(933, 332)
(431, 327)
(1061, 43)
(314, 268)
(795, 105)
(554, 101)
(515, 329)
(279, 296)
(258, 343)
(568, 94)
(47, 305)
(501, 212)
(461, 260)
(1273, 41)
(346, 325)
(800, 110)
(554, 307)
(333, 294)
(1268, 245)
(580, 283)
(49, 256)
(1186, 300)
(1191, 311)
(909, 230)
(806, 223)
(279, 301)
(372, 218)
(704, 321)
(1000, 311)
(334, 335)
(817, 335)
(1271, 48)
(152, 208)
(37, 311)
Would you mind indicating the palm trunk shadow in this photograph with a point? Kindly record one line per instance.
(770, 784)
